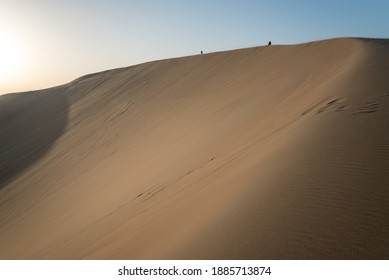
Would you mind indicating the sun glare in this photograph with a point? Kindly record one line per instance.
(10, 56)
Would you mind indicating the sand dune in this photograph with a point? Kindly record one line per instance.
(277, 152)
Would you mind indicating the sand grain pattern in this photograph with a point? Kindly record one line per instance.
(274, 152)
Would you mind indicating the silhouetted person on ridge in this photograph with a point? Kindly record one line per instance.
(201, 52)
(269, 44)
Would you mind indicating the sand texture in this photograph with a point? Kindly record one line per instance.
(277, 152)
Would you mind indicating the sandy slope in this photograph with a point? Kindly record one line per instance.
(277, 152)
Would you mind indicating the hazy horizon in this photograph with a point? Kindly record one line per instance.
(47, 43)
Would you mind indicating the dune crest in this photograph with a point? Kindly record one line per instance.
(276, 152)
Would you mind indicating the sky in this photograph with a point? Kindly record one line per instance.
(46, 43)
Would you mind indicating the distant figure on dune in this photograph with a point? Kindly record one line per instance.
(201, 52)
(269, 43)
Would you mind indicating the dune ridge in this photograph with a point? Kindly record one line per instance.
(276, 152)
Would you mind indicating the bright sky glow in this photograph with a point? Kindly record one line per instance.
(11, 53)
(50, 42)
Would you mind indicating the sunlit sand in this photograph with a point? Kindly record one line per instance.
(277, 152)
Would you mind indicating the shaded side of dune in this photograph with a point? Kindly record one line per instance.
(29, 125)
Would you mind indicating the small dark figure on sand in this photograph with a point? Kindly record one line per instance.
(269, 43)
(201, 52)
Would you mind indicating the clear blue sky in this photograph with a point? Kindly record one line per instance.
(49, 42)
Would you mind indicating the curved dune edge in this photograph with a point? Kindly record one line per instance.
(264, 153)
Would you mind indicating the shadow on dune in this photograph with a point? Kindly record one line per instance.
(29, 125)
